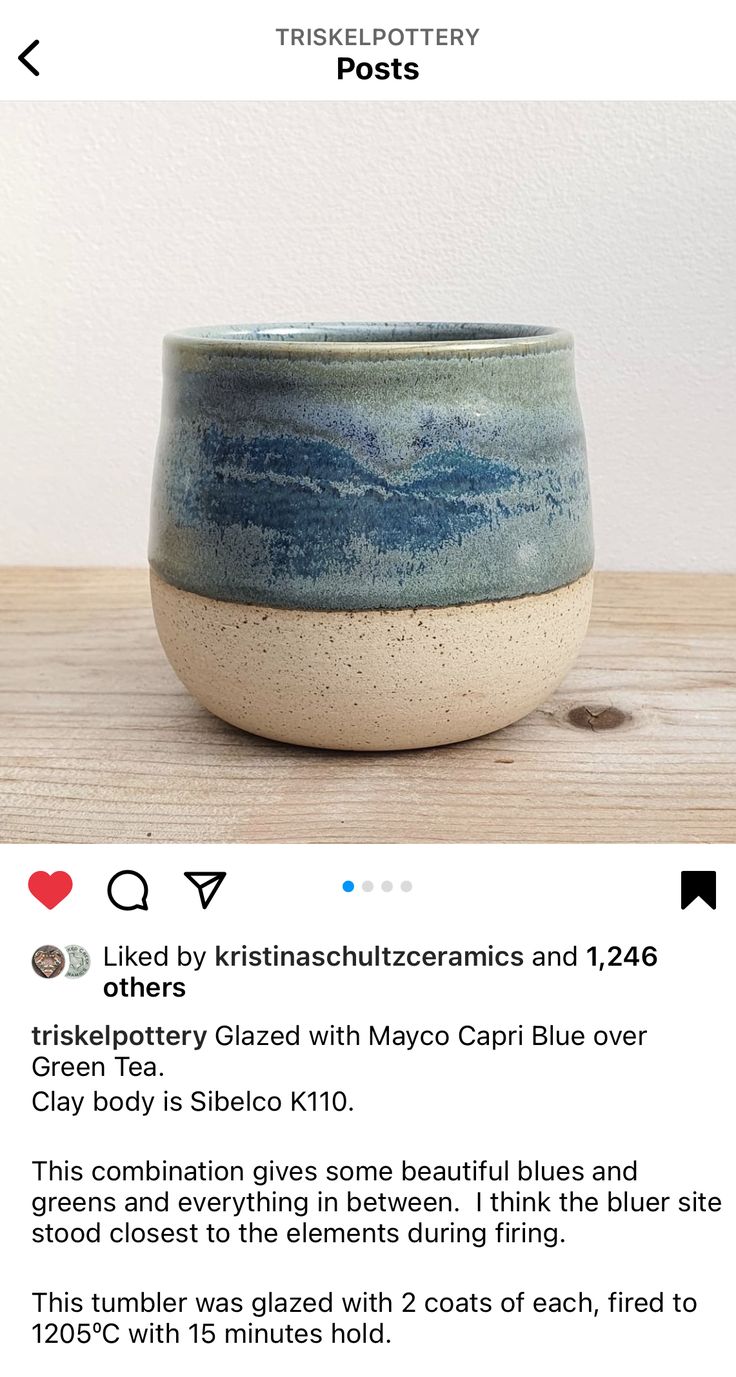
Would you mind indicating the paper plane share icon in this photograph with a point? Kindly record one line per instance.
(206, 883)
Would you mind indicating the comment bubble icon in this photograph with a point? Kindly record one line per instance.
(128, 890)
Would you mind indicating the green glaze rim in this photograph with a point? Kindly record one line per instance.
(386, 339)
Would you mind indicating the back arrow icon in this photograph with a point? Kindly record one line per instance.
(22, 56)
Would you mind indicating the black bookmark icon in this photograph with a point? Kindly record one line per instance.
(697, 884)
(206, 883)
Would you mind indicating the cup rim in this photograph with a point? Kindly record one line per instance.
(381, 339)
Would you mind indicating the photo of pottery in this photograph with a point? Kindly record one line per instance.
(433, 539)
(371, 537)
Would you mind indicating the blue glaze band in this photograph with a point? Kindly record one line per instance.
(370, 466)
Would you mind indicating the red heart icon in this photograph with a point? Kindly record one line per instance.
(50, 889)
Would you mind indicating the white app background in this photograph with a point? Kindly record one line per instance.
(662, 1103)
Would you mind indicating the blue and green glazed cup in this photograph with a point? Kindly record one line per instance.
(371, 537)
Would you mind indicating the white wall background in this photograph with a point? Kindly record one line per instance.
(125, 220)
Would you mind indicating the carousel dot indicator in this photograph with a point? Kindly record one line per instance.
(406, 886)
(348, 886)
(367, 886)
(386, 886)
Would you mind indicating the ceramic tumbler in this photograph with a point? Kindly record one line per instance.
(371, 536)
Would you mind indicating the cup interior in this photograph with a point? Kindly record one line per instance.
(369, 332)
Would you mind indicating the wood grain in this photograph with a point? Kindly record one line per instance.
(100, 743)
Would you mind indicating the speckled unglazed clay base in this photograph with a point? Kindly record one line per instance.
(372, 680)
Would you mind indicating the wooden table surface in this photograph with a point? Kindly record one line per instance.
(100, 743)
